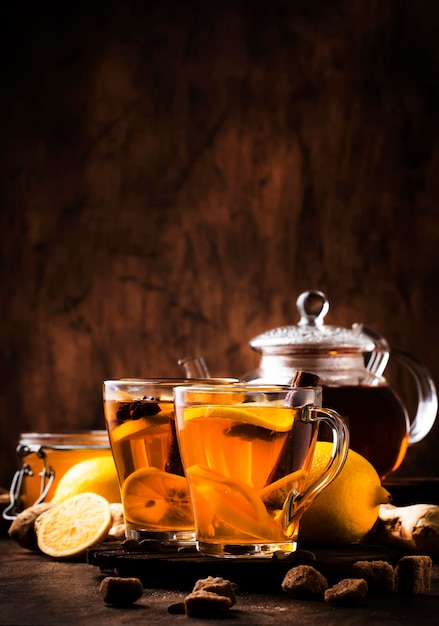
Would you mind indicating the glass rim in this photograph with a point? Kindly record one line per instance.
(173, 381)
(245, 387)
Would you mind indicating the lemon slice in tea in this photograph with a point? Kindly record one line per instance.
(157, 499)
(272, 418)
(133, 429)
(74, 525)
(275, 494)
(223, 397)
(235, 503)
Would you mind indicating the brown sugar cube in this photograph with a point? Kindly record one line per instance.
(349, 591)
(413, 575)
(206, 604)
(304, 582)
(177, 608)
(216, 585)
(120, 591)
(379, 575)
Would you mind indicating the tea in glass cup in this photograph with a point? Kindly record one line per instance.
(140, 420)
(246, 453)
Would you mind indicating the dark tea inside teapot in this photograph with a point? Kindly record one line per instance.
(350, 363)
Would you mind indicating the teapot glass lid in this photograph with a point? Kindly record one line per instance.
(311, 334)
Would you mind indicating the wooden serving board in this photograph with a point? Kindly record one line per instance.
(180, 570)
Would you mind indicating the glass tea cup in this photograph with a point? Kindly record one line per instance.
(140, 421)
(246, 453)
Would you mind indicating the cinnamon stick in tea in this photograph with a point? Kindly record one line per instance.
(297, 442)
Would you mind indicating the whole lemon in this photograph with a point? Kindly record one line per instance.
(348, 508)
(97, 475)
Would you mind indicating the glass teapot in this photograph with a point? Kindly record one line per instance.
(350, 363)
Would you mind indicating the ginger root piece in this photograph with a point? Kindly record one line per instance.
(116, 533)
(414, 528)
(22, 530)
(117, 530)
(116, 509)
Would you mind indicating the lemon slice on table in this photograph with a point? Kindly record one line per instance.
(157, 498)
(74, 525)
(274, 495)
(273, 418)
(235, 503)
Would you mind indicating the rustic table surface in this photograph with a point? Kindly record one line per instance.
(35, 589)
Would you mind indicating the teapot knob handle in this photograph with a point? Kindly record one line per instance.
(312, 306)
(427, 396)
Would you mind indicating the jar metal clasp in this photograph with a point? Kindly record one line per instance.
(47, 475)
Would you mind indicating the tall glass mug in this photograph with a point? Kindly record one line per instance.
(140, 420)
(246, 453)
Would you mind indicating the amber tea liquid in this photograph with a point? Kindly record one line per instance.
(377, 421)
(240, 473)
(145, 450)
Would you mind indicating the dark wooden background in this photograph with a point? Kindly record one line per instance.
(175, 174)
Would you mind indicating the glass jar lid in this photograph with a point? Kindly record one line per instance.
(67, 440)
(311, 335)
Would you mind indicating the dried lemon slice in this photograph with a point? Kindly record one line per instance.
(279, 419)
(274, 495)
(235, 503)
(74, 525)
(157, 499)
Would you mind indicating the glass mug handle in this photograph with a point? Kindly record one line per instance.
(297, 503)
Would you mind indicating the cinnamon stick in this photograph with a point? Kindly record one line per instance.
(304, 379)
(296, 444)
